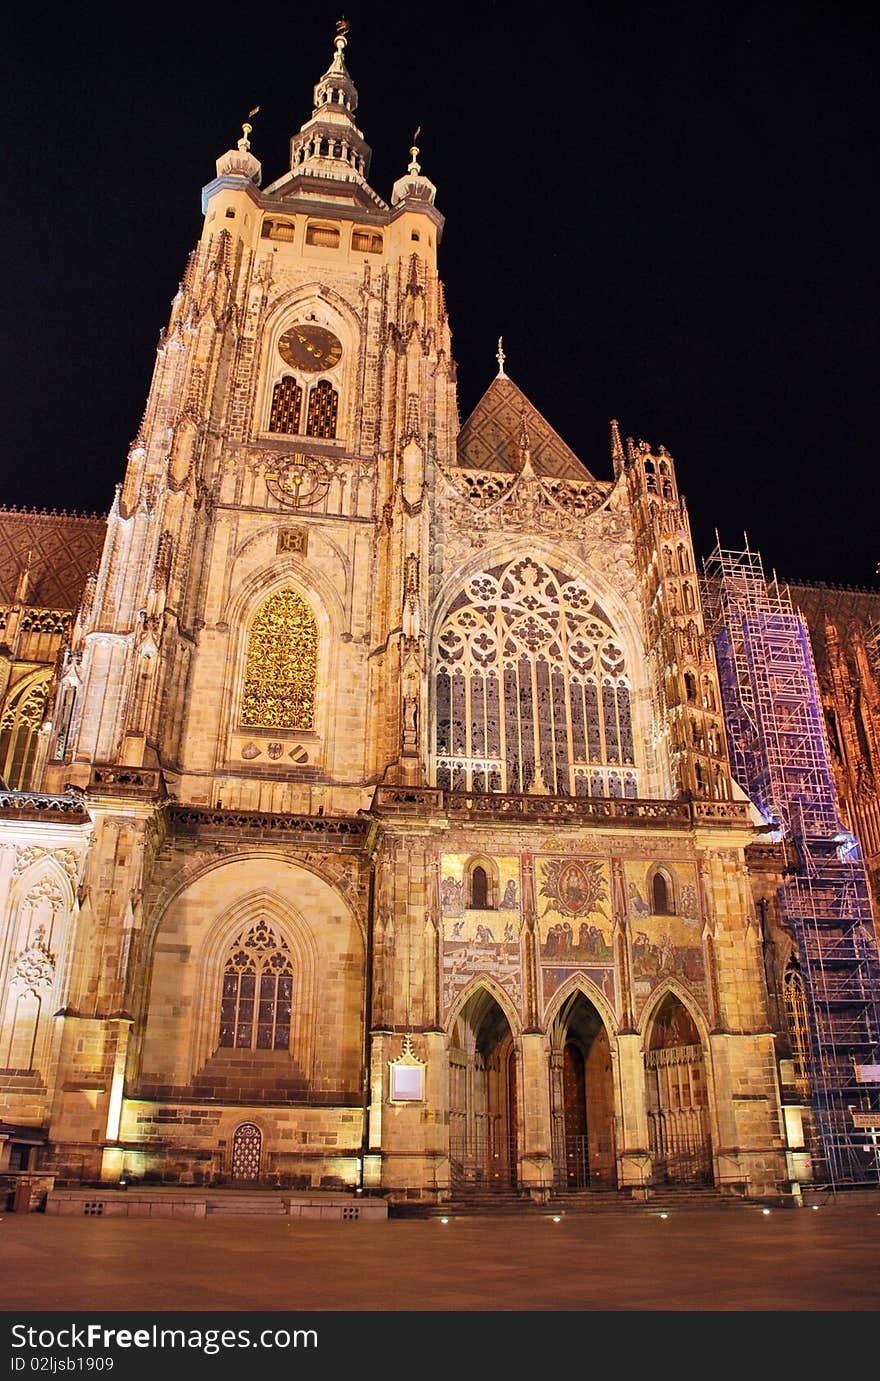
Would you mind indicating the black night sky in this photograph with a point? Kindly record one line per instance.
(668, 211)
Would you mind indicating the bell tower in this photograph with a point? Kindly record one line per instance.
(256, 629)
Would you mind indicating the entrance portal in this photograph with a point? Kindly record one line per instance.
(678, 1114)
(582, 1098)
(482, 1097)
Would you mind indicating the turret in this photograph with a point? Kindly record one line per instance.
(680, 653)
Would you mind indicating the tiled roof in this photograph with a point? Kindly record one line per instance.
(490, 438)
(63, 548)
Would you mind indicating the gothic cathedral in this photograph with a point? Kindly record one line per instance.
(381, 833)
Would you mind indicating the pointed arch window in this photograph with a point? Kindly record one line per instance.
(323, 410)
(22, 717)
(532, 692)
(281, 668)
(286, 406)
(257, 992)
(798, 1025)
(661, 894)
(479, 889)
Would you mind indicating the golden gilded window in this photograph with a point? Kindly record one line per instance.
(323, 407)
(281, 670)
(286, 406)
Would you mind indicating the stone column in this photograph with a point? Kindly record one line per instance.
(634, 1165)
(535, 1149)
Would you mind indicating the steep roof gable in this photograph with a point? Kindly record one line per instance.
(491, 437)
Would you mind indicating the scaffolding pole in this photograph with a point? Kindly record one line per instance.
(780, 756)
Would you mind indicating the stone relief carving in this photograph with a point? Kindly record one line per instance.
(34, 967)
(45, 890)
(68, 858)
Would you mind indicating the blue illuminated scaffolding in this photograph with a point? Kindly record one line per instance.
(779, 754)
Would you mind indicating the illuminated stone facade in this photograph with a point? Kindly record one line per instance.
(384, 834)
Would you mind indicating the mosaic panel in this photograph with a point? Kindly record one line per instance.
(574, 922)
(480, 940)
(664, 945)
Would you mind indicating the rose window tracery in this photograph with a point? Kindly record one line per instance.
(531, 689)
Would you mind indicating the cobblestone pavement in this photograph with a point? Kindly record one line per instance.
(701, 1260)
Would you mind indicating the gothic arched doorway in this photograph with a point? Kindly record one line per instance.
(482, 1097)
(678, 1112)
(582, 1098)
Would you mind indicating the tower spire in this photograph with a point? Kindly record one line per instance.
(414, 167)
(617, 456)
(330, 145)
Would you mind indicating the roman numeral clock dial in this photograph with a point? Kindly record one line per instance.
(310, 347)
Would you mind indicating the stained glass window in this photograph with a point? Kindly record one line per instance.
(282, 665)
(20, 731)
(257, 992)
(532, 691)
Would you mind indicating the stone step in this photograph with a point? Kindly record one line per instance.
(175, 1202)
(474, 1203)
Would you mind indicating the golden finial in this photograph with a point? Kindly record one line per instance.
(413, 153)
(341, 34)
(244, 142)
(500, 357)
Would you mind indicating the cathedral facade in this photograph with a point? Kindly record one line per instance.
(376, 826)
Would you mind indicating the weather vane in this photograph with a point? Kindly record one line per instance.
(244, 143)
(413, 151)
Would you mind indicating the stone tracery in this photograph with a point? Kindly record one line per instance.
(282, 664)
(532, 693)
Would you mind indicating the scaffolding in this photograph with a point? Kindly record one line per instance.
(780, 756)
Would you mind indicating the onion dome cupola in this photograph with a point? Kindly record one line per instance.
(240, 162)
(413, 187)
(237, 171)
(330, 145)
(414, 192)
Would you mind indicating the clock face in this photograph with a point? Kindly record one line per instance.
(299, 480)
(310, 347)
